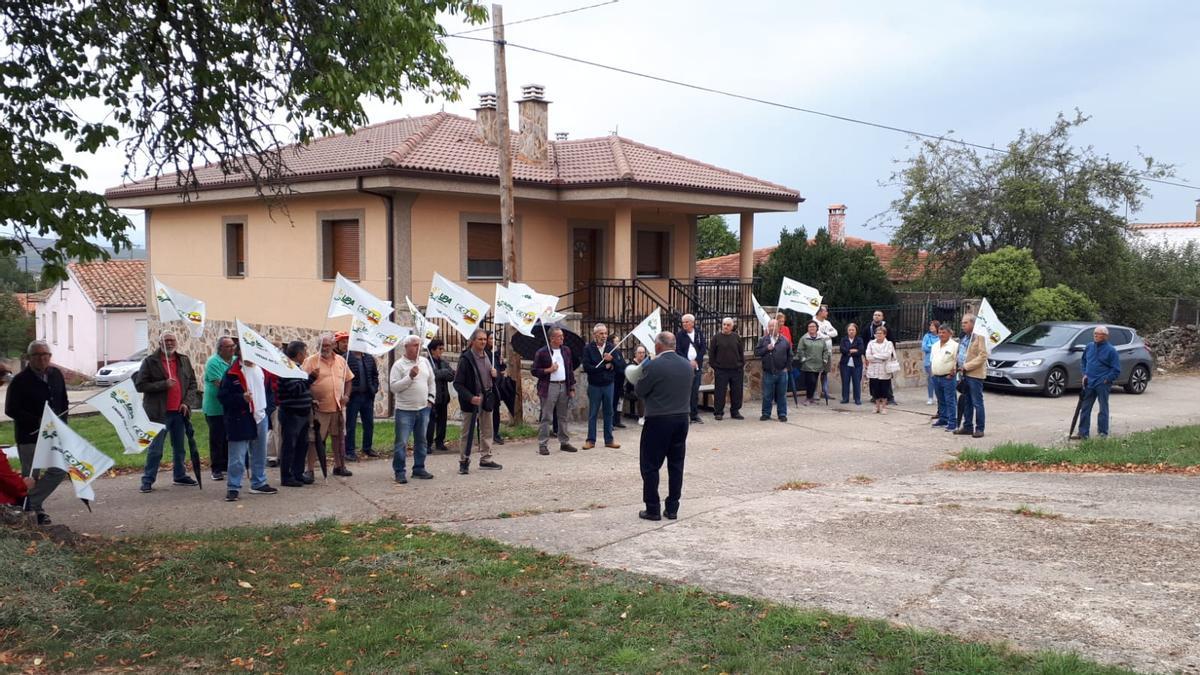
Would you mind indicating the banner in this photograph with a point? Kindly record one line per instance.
(259, 351)
(176, 306)
(351, 299)
(121, 405)
(421, 326)
(59, 447)
(548, 302)
(504, 303)
(375, 340)
(798, 297)
(456, 304)
(988, 325)
(761, 313)
(649, 329)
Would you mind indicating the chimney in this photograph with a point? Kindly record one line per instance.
(486, 118)
(532, 139)
(837, 222)
(562, 136)
(1198, 210)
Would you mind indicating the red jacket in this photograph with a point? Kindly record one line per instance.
(12, 485)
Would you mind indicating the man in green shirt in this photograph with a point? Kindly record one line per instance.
(214, 371)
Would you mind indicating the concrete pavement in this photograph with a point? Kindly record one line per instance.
(885, 535)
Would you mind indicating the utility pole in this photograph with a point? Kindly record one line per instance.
(507, 235)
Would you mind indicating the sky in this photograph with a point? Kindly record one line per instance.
(983, 70)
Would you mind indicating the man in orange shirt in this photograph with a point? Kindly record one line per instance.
(331, 393)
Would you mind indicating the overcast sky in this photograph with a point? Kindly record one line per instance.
(983, 70)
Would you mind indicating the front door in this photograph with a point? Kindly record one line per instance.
(585, 254)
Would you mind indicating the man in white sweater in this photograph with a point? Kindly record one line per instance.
(411, 381)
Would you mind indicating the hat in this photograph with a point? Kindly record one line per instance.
(341, 335)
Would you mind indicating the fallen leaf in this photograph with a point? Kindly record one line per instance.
(624, 614)
(295, 584)
(245, 584)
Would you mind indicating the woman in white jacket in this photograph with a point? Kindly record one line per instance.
(880, 352)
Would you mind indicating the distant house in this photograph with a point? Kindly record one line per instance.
(1180, 232)
(96, 316)
(727, 266)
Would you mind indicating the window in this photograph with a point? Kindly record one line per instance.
(70, 331)
(1119, 336)
(340, 249)
(484, 251)
(44, 335)
(235, 249)
(651, 254)
(54, 326)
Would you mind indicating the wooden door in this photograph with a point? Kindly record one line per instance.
(585, 256)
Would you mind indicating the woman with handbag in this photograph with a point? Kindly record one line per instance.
(882, 363)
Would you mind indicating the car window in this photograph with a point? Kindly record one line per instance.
(1042, 335)
(1119, 336)
(1083, 339)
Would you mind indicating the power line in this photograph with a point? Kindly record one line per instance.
(535, 18)
(785, 106)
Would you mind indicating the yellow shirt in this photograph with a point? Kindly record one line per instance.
(942, 357)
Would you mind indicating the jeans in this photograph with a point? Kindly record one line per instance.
(174, 422)
(852, 375)
(728, 379)
(218, 445)
(599, 397)
(972, 413)
(360, 404)
(1091, 394)
(775, 391)
(413, 422)
(695, 411)
(295, 426)
(946, 392)
(257, 448)
(930, 387)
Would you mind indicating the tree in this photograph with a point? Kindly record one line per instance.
(188, 82)
(1061, 303)
(16, 326)
(1063, 203)
(1005, 278)
(846, 276)
(713, 238)
(13, 278)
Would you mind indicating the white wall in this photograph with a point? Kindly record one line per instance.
(81, 347)
(1170, 235)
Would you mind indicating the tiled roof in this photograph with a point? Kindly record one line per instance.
(114, 283)
(447, 144)
(1163, 226)
(728, 266)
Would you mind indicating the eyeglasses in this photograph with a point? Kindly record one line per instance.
(36, 354)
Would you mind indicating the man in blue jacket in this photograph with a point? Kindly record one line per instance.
(1101, 367)
(691, 345)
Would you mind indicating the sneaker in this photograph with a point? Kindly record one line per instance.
(292, 483)
(489, 464)
(764, 418)
(218, 475)
(370, 453)
(342, 471)
(464, 468)
(187, 481)
(44, 520)
(543, 450)
(231, 495)
(737, 416)
(307, 478)
(146, 489)
(401, 479)
(928, 401)
(263, 490)
(612, 444)
(422, 474)
(567, 447)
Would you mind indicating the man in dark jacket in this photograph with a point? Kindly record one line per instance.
(28, 393)
(691, 345)
(775, 352)
(168, 387)
(599, 362)
(474, 379)
(554, 369)
(246, 395)
(727, 358)
(295, 419)
(1101, 367)
(443, 375)
(363, 388)
(663, 387)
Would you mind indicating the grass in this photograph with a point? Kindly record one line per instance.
(798, 485)
(1169, 446)
(100, 433)
(381, 597)
(1030, 512)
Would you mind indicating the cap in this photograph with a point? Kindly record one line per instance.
(341, 335)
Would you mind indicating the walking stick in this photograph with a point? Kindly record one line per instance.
(1075, 417)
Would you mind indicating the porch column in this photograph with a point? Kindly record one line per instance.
(623, 243)
(746, 260)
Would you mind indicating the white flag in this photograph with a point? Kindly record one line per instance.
(59, 447)
(761, 313)
(421, 326)
(259, 351)
(121, 405)
(351, 299)
(504, 303)
(526, 314)
(799, 297)
(988, 325)
(375, 340)
(176, 306)
(548, 302)
(455, 304)
(649, 329)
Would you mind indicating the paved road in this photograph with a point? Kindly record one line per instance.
(885, 535)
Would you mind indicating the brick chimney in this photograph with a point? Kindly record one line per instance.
(533, 110)
(1198, 210)
(487, 128)
(837, 222)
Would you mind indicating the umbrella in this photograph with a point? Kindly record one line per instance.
(191, 437)
(506, 388)
(527, 346)
(1075, 417)
(320, 444)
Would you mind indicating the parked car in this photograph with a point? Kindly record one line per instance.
(120, 370)
(1046, 358)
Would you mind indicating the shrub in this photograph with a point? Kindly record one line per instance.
(1060, 303)
(1005, 277)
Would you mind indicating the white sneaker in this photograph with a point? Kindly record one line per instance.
(928, 401)
(642, 421)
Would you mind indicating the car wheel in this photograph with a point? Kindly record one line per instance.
(1139, 379)
(1056, 383)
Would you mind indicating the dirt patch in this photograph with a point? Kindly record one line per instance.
(1068, 467)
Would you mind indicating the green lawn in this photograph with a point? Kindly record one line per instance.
(100, 433)
(381, 597)
(1171, 446)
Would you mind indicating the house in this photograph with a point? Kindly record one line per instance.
(97, 315)
(604, 222)
(727, 266)
(1175, 233)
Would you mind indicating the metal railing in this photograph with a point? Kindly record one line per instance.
(711, 300)
(907, 321)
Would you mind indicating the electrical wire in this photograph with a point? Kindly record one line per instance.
(785, 106)
(535, 18)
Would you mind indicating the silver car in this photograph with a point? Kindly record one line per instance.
(1046, 358)
(120, 370)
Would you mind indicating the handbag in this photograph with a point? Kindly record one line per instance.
(893, 364)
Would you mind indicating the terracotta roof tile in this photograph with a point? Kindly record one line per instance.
(447, 144)
(114, 283)
(1163, 226)
(729, 266)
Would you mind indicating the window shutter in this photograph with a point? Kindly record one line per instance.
(484, 251)
(344, 248)
(235, 249)
(651, 254)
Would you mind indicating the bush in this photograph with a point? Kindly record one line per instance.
(1061, 303)
(1005, 277)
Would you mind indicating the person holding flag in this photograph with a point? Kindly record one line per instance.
(972, 363)
(600, 362)
(691, 344)
(295, 401)
(246, 393)
(554, 368)
(39, 384)
(443, 375)
(168, 387)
